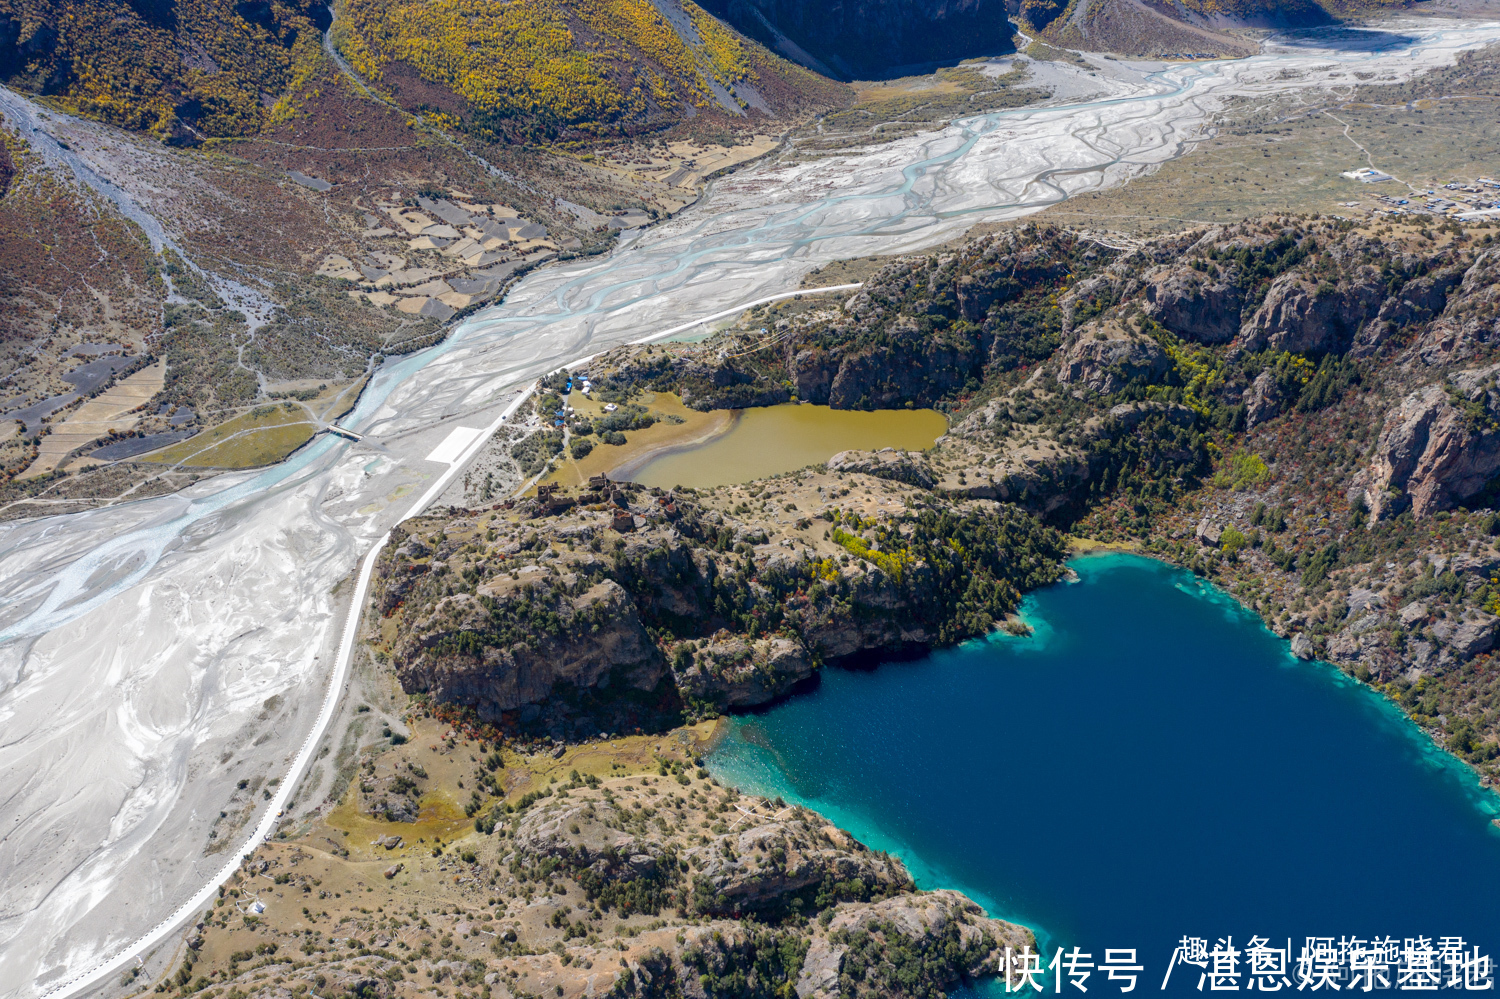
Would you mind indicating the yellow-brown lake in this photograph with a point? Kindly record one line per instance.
(776, 439)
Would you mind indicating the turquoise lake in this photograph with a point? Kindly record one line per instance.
(1151, 764)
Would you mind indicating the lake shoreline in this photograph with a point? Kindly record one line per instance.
(830, 750)
(627, 469)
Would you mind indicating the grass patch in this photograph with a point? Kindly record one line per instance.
(263, 436)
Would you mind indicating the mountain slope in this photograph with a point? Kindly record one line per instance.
(314, 227)
(173, 67)
(1156, 27)
(872, 39)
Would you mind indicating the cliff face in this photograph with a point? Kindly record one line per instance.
(1440, 445)
(872, 39)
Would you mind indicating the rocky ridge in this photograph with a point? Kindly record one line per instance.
(642, 602)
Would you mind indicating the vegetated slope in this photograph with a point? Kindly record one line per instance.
(1303, 411)
(241, 303)
(188, 69)
(576, 68)
(1172, 27)
(872, 39)
(177, 68)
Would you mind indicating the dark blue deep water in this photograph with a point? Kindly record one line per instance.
(1151, 764)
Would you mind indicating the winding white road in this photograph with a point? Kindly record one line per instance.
(154, 654)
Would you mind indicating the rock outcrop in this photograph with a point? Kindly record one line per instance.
(1439, 446)
(1264, 400)
(1469, 636)
(707, 603)
(1304, 314)
(769, 860)
(772, 854)
(919, 330)
(910, 467)
(1105, 356)
(937, 921)
(587, 641)
(739, 672)
(1200, 302)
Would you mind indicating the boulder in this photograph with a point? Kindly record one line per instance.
(1413, 613)
(1302, 646)
(1361, 600)
(1209, 533)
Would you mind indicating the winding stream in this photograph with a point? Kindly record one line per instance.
(153, 653)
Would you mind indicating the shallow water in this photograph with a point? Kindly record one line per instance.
(1151, 764)
(776, 439)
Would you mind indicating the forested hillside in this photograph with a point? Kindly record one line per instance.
(195, 69)
(173, 67)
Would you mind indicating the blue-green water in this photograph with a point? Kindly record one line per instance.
(1151, 764)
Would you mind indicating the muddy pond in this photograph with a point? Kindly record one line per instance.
(761, 442)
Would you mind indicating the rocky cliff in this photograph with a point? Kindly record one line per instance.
(582, 607)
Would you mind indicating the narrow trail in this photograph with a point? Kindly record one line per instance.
(1368, 158)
